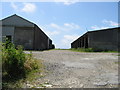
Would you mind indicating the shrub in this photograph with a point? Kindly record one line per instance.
(15, 62)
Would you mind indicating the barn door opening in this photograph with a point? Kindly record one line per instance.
(86, 42)
(9, 38)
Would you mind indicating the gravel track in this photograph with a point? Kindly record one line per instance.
(68, 69)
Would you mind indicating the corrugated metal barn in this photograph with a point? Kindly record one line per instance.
(106, 39)
(23, 32)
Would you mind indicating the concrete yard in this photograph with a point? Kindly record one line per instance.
(68, 69)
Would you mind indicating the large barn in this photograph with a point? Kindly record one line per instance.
(106, 39)
(23, 32)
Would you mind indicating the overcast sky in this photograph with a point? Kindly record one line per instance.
(65, 21)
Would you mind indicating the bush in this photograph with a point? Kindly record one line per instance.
(15, 62)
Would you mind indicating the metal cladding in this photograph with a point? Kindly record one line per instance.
(23, 32)
(106, 39)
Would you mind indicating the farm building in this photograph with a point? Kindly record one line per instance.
(106, 39)
(23, 32)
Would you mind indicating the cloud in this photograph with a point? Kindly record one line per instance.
(70, 2)
(49, 31)
(14, 6)
(110, 23)
(55, 26)
(52, 33)
(24, 7)
(68, 39)
(29, 7)
(72, 25)
(67, 2)
(65, 26)
(95, 27)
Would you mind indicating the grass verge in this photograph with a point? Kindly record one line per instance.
(91, 50)
(88, 50)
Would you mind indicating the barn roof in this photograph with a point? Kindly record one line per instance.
(17, 16)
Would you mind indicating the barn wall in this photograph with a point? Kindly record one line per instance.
(119, 39)
(81, 42)
(24, 36)
(0, 31)
(104, 39)
(0, 34)
(41, 39)
(50, 43)
(74, 44)
(7, 31)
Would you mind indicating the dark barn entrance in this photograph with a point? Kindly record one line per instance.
(9, 38)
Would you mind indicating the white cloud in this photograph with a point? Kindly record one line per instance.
(55, 26)
(65, 26)
(48, 31)
(14, 6)
(52, 33)
(23, 7)
(95, 27)
(29, 7)
(72, 25)
(69, 2)
(59, 0)
(68, 39)
(110, 23)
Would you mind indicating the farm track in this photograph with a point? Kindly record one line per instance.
(68, 69)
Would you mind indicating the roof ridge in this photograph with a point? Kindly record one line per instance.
(105, 29)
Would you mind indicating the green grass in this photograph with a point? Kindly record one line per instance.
(118, 54)
(88, 50)
(82, 50)
(92, 50)
(60, 49)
